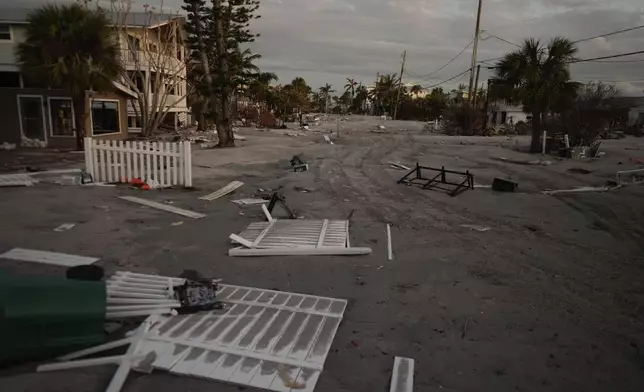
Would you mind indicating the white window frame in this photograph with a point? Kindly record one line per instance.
(130, 128)
(42, 111)
(51, 122)
(11, 35)
(118, 113)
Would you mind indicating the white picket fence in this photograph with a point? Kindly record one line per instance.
(166, 164)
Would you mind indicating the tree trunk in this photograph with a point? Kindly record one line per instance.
(535, 144)
(79, 118)
(224, 129)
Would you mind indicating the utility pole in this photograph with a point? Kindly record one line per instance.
(487, 103)
(476, 84)
(376, 99)
(402, 70)
(475, 49)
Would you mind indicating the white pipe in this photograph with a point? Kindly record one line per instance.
(137, 313)
(95, 349)
(119, 308)
(390, 252)
(140, 301)
(81, 363)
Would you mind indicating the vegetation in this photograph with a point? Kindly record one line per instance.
(215, 35)
(73, 48)
(538, 77)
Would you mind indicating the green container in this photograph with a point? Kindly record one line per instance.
(44, 316)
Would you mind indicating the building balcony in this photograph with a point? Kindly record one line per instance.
(138, 60)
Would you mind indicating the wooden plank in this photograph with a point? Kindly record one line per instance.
(147, 174)
(240, 240)
(123, 173)
(164, 207)
(168, 166)
(264, 232)
(322, 233)
(95, 168)
(240, 252)
(38, 256)
(103, 162)
(174, 165)
(154, 172)
(128, 162)
(390, 253)
(222, 191)
(402, 378)
(181, 168)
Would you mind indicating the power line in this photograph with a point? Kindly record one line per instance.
(426, 77)
(618, 61)
(606, 57)
(497, 37)
(609, 34)
(448, 80)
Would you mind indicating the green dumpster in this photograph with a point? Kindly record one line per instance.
(45, 316)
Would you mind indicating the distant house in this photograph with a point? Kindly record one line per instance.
(500, 113)
(634, 107)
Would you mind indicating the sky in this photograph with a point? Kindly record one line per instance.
(327, 41)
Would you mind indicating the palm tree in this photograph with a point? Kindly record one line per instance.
(259, 87)
(73, 48)
(362, 94)
(351, 85)
(326, 90)
(537, 77)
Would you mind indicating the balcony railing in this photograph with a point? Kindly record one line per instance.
(138, 59)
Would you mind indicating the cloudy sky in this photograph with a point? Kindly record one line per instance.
(327, 41)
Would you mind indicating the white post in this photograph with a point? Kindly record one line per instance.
(122, 175)
(188, 163)
(543, 148)
(145, 176)
(390, 253)
(174, 163)
(128, 164)
(567, 141)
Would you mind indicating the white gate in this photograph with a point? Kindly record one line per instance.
(167, 164)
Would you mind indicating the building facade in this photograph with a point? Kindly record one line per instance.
(37, 116)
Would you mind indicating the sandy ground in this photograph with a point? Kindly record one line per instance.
(549, 299)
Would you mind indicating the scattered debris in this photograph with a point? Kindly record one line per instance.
(399, 166)
(278, 198)
(64, 227)
(240, 137)
(578, 190)
(249, 202)
(303, 189)
(415, 177)
(298, 164)
(295, 237)
(164, 207)
(16, 180)
(27, 142)
(39, 256)
(390, 252)
(634, 173)
(402, 377)
(539, 162)
(482, 229)
(327, 139)
(579, 170)
(176, 223)
(232, 186)
(7, 146)
(464, 330)
(501, 185)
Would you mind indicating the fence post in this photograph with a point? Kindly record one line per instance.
(188, 163)
(89, 168)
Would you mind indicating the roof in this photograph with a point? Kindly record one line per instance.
(628, 102)
(141, 19)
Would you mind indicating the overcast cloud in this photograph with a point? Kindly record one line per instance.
(331, 40)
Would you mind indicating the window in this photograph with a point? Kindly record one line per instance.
(134, 123)
(62, 117)
(105, 117)
(5, 32)
(9, 79)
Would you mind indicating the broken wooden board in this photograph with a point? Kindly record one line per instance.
(250, 202)
(223, 191)
(38, 256)
(164, 207)
(402, 377)
(326, 251)
(266, 339)
(16, 180)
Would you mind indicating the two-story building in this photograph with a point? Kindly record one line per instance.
(36, 115)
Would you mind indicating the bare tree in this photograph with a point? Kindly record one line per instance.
(154, 59)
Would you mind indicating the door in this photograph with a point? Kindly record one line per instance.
(32, 117)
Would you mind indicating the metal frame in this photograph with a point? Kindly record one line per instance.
(440, 178)
(51, 121)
